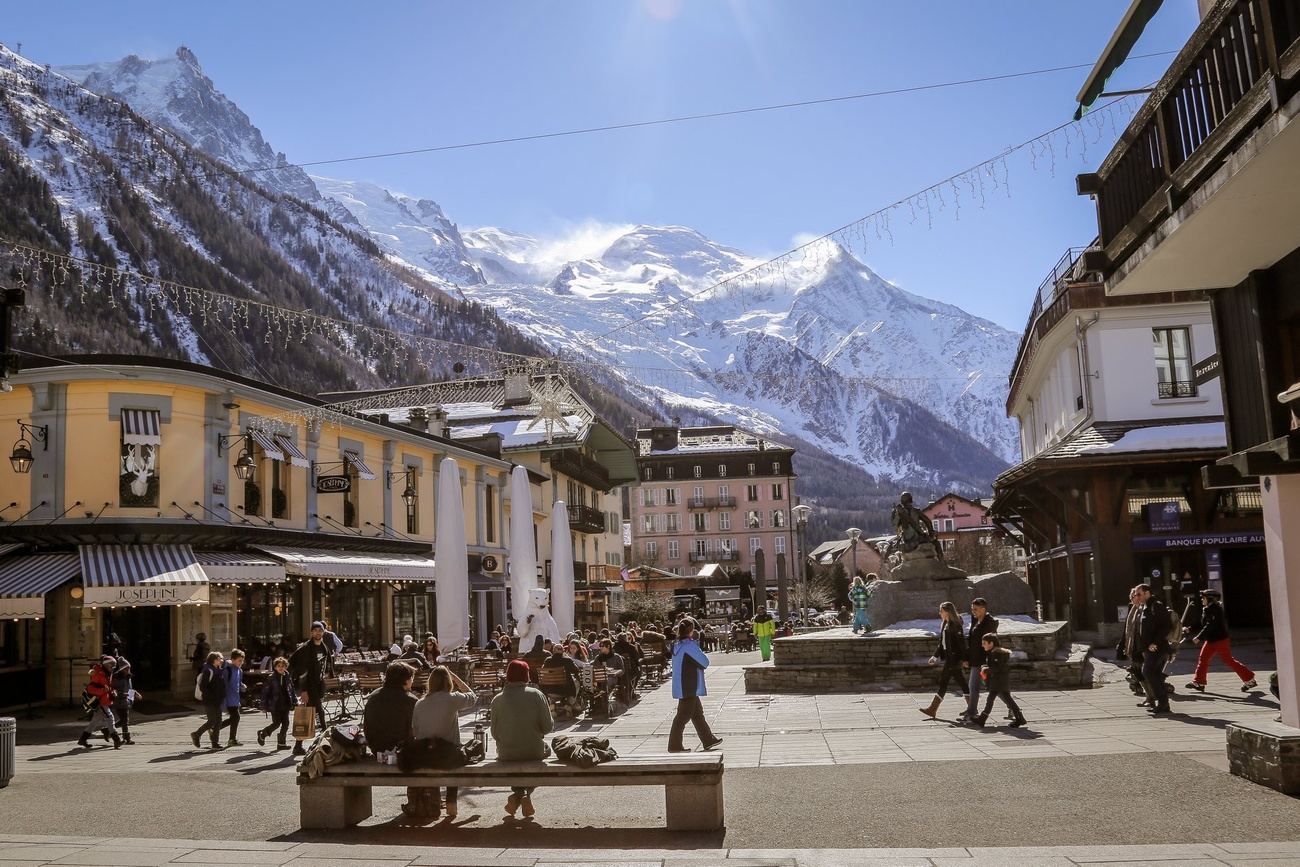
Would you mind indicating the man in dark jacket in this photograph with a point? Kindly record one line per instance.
(310, 664)
(387, 724)
(1154, 623)
(1213, 639)
(981, 623)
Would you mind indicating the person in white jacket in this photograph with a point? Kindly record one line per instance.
(689, 663)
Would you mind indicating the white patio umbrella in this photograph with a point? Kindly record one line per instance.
(561, 569)
(451, 560)
(523, 552)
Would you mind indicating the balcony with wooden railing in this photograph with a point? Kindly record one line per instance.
(585, 519)
(581, 468)
(710, 503)
(1237, 69)
(721, 555)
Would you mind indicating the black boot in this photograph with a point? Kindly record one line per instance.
(126, 737)
(84, 740)
(117, 741)
(298, 749)
(979, 720)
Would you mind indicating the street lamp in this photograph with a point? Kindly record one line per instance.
(244, 464)
(801, 513)
(21, 459)
(854, 535)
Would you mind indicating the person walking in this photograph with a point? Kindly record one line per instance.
(689, 663)
(764, 629)
(952, 650)
(1213, 641)
(997, 674)
(860, 596)
(1153, 639)
(279, 698)
(437, 715)
(212, 689)
(199, 657)
(125, 697)
(101, 691)
(310, 664)
(981, 624)
(234, 674)
(521, 717)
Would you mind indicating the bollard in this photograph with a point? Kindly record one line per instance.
(8, 740)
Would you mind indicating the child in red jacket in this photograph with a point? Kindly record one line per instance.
(101, 692)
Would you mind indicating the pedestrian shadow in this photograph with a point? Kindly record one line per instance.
(71, 751)
(177, 757)
(287, 762)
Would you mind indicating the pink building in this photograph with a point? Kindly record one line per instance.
(711, 495)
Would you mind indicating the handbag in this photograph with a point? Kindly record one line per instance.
(304, 722)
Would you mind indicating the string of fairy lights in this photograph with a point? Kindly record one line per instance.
(34, 267)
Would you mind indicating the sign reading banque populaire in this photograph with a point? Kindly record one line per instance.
(1198, 540)
(146, 594)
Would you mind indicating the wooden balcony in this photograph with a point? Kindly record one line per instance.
(710, 503)
(585, 519)
(581, 468)
(1228, 82)
(721, 556)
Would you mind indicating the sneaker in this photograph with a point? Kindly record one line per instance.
(526, 805)
(512, 804)
(282, 746)
(194, 739)
(234, 743)
(713, 743)
(261, 739)
(1249, 685)
(1191, 684)
(679, 749)
(217, 747)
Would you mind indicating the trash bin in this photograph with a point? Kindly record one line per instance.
(8, 738)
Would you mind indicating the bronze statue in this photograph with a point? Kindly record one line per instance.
(913, 527)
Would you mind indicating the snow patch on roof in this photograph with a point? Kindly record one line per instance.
(1174, 437)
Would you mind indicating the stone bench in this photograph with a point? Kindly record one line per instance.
(692, 782)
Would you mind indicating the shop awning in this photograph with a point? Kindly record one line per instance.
(141, 427)
(266, 444)
(315, 563)
(362, 470)
(1116, 52)
(142, 575)
(24, 581)
(296, 457)
(236, 567)
(485, 581)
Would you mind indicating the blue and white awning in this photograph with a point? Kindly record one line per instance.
(236, 567)
(365, 566)
(268, 446)
(362, 470)
(141, 427)
(290, 448)
(142, 575)
(24, 581)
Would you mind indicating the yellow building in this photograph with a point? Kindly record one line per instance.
(163, 500)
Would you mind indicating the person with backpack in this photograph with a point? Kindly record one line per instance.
(126, 697)
(99, 694)
(234, 674)
(210, 688)
(279, 698)
(1155, 624)
(1213, 640)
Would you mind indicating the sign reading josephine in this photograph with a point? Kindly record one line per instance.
(333, 484)
(145, 594)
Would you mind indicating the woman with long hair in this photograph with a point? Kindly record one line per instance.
(952, 650)
(437, 715)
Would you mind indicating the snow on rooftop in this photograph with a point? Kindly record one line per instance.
(1173, 437)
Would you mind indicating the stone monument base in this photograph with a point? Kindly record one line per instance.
(1267, 753)
(836, 660)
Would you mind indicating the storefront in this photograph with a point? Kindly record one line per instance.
(24, 581)
(1233, 563)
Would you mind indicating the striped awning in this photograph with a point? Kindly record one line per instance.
(24, 581)
(236, 567)
(142, 575)
(141, 427)
(266, 444)
(313, 563)
(9, 546)
(296, 457)
(362, 470)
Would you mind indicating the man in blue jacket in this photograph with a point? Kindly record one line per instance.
(689, 663)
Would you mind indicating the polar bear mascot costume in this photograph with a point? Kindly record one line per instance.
(537, 620)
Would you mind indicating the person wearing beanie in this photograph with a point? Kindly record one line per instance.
(126, 697)
(101, 689)
(310, 664)
(521, 717)
(1213, 640)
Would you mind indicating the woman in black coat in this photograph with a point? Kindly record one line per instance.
(952, 650)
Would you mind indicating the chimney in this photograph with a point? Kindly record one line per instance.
(516, 387)
(418, 418)
(437, 423)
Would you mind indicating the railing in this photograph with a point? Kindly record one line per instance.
(720, 556)
(1218, 81)
(1176, 389)
(581, 468)
(585, 519)
(710, 502)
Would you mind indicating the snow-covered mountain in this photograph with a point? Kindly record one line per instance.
(822, 352)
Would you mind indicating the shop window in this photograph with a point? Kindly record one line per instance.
(138, 483)
(350, 609)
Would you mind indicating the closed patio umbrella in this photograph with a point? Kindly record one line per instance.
(451, 559)
(523, 553)
(561, 569)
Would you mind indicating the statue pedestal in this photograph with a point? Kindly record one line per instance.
(930, 583)
(921, 564)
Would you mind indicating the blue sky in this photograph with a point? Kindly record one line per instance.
(328, 80)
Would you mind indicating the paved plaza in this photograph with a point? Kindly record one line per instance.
(830, 779)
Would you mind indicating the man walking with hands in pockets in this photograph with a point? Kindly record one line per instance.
(689, 663)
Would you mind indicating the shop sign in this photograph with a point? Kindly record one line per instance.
(1198, 540)
(1164, 517)
(333, 484)
(1204, 371)
(162, 594)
